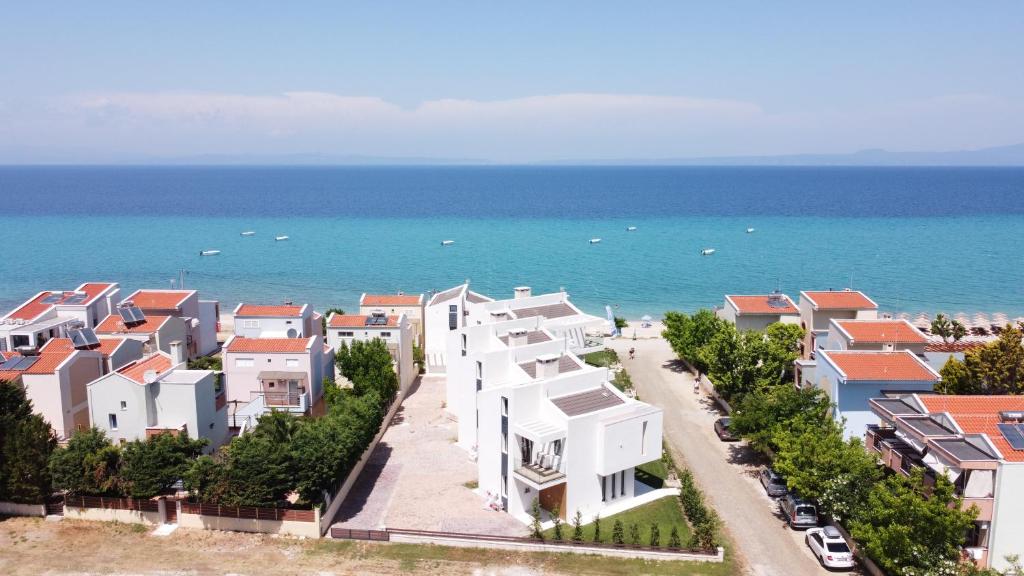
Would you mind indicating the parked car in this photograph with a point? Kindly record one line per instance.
(830, 547)
(722, 429)
(799, 512)
(774, 484)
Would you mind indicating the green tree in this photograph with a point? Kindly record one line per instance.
(634, 534)
(556, 519)
(24, 458)
(87, 465)
(909, 528)
(419, 357)
(368, 365)
(819, 464)
(742, 362)
(705, 534)
(258, 471)
(689, 335)
(150, 467)
(655, 535)
(214, 363)
(621, 322)
(207, 479)
(618, 533)
(942, 326)
(673, 538)
(998, 367)
(956, 378)
(597, 528)
(577, 527)
(536, 530)
(765, 413)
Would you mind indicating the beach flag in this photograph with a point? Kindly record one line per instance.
(611, 322)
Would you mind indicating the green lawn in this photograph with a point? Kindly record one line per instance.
(664, 512)
(603, 358)
(652, 473)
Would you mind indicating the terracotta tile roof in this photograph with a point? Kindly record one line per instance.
(880, 366)
(34, 307)
(159, 299)
(840, 300)
(137, 370)
(108, 346)
(761, 304)
(269, 345)
(881, 331)
(979, 415)
(391, 300)
(358, 321)
(272, 311)
(51, 355)
(961, 346)
(114, 325)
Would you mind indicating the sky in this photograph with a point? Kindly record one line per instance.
(505, 82)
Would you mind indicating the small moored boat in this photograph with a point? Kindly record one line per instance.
(279, 238)
(447, 242)
(750, 230)
(707, 251)
(630, 228)
(595, 240)
(248, 233)
(209, 252)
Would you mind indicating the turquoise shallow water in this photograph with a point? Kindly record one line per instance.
(916, 239)
(947, 263)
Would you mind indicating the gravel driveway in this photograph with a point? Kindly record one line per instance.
(725, 471)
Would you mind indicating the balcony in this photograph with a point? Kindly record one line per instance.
(541, 475)
(289, 402)
(984, 505)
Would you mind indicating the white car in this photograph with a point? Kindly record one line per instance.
(830, 547)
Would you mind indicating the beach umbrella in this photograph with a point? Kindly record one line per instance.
(903, 316)
(999, 319)
(962, 318)
(923, 321)
(981, 320)
(646, 318)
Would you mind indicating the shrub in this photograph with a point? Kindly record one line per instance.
(597, 528)
(673, 538)
(634, 534)
(537, 531)
(618, 533)
(655, 535)
(557, 520)
(577, 527)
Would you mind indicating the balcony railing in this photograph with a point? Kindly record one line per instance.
(290, 401)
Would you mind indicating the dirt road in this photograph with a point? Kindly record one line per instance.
(725, 471)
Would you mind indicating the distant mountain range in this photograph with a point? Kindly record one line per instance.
(1012, 155)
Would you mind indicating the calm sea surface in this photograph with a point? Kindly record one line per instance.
(915, 239)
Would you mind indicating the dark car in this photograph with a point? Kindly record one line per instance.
(774, 484)
(799, 512)
(722, 429)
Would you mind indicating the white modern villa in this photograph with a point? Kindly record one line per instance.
(539, 421)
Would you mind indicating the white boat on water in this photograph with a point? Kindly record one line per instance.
(630, 228)
(248, 233)
(750, 230)
(209, 252)
(447, 242)
(279, 238)
(707, 251)
(595, 240)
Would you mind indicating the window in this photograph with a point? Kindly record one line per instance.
(112, 421)
(604, 498)
(504, 410)
(622, 482)
(385, 334)
(613, 486)
(557, 447)
(287, 321)
(251, 323)
(479, 369)
(643, 439)
(291, 362)
(453, 317)
(244, 362)
(464, 344)
(124, 405)
(504, 486)
(346, 334)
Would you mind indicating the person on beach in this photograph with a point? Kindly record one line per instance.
(696, 383)
(632, 353)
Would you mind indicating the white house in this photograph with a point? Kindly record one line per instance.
(200, 316)
(284, 321)
(158, 394)
(884, 334)
(397, 332)
(154, 331)
(459, 307)
(55, 380)
(851, 379)
(542, 423)
(261, 374)
(757, 312)
(412, 305)
(51, 314)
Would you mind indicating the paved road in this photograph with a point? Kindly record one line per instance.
(725, 471)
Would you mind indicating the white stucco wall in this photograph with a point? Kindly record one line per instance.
(1007, 532)
(105, 397)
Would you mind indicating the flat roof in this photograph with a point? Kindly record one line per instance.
(587, 401)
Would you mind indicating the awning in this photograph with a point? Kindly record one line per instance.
(280, 375)
(950, 472)
(539, 431)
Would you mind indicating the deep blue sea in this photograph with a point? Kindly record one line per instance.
(915, 239)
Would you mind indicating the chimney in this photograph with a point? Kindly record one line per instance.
(523, 292)
(517, 338)
(177, 353)
(547, 366)
(149, 376)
